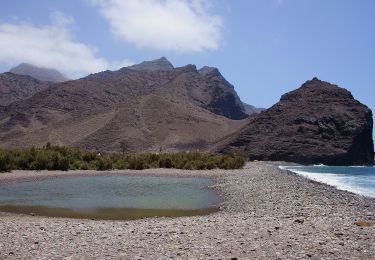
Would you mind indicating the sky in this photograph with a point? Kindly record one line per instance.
(263, 47)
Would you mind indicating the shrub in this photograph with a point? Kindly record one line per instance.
(104, 164)
(41, 162)
(5, 162)
(165, 163)
(190, 166)
(137, 163)
(89, 156)
(60, 162)
(234, 160)
(84, 166)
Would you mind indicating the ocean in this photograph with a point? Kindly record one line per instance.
(356, 179)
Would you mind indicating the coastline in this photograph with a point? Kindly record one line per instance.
(266, 213)
(335, 178)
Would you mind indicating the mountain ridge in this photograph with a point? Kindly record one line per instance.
(42, 74)
(147, 108)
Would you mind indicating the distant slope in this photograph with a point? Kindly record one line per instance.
(15, 87)
(252, 110)
(148, 108)
(43, 74)
(317, 123)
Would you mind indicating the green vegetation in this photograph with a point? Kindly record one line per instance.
(63, 158)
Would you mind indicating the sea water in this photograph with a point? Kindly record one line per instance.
(356, 179)
(110, 197)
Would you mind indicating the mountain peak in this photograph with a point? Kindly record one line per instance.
(162, 64)
(43, 74)
(209, 70)
(314, 89)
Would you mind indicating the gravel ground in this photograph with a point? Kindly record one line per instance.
(266, 213)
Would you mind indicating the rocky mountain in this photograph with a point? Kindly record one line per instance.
(148, 106)
(42, 74)
(219, 96)
(15, 87)
(251, 110)
(161, 64)
(317, 123)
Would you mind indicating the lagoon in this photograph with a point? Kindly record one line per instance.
(111, 197)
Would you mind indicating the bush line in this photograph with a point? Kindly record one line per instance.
(64, 158)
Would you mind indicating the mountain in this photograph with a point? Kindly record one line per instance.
(161, 64)
(317, 123)
(251, 110)
(148, 106)
(42, 74)
(219, 101)
(219, 96)
(15, 87)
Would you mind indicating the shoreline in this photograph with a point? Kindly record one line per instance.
(265, 212)
(332, 183)
(24, 175)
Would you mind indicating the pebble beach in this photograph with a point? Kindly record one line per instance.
(265, 213)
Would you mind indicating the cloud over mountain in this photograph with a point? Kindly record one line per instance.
(165, 25)
(50, 46)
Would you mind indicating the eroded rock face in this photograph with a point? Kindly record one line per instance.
(317, 123)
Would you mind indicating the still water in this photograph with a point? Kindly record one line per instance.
(111, 197)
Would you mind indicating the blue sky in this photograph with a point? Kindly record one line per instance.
(263, 47)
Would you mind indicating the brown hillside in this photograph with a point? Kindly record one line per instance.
(178, 109)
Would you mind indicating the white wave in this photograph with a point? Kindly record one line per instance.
(339, 181)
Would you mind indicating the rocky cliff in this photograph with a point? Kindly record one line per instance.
(317, 123)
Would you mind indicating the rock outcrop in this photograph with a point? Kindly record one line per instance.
(317, 123)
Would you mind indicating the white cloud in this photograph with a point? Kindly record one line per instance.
(115, 65)
(166, 25)
(49, 46)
